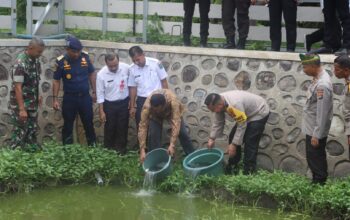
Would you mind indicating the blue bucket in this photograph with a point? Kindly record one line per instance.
(204, 161)
(158, 163)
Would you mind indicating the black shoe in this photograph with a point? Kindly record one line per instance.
(231, 169)
(320, 182)
(241, 44)
(322, 50)
(231, 43)
(307, 44)
(187, 41)
(342, 51)
(203, 42)
(291, 50)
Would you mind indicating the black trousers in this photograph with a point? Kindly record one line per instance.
(289, 10)
(330, 10)
(117, 124)
(228, 17)
(316, 36)
(72, 105)
(204, 8)
(251, 141)
(317, 160)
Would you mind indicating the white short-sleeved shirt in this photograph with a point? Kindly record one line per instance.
(112, 86)
(148, 78)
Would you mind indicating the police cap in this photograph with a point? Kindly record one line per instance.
(73, 43)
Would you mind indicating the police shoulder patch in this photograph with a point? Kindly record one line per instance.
(60, 57)
(320, 92)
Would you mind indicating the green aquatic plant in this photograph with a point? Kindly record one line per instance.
(21, 171)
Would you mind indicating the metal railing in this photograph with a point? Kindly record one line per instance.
(9, 21)
(76, 14)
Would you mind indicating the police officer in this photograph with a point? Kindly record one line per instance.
(228, 21)
(333, 44)
(342, 71)
(204, 7)
(24, 97)
(330, 11)
(289, 10)
(76, 70)
(250, 113)
(113, 99)
(145, 76)
(317, 116)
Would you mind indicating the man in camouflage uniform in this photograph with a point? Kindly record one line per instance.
(24, 98)
(162, 104)
(342, 71)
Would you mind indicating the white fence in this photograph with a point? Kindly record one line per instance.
(8, 21)
(163, 9)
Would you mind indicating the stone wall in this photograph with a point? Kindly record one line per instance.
(195, 72)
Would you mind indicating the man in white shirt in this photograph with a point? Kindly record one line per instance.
(145, 76)
(113, 100)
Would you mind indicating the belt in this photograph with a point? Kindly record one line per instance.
(140, 97)
(76, 93)
(117, 101)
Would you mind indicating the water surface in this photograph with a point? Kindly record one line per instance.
(119, 203)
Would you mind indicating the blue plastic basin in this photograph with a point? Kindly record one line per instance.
(157, 161)
(204, 161)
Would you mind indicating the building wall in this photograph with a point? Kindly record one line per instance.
(193, 73)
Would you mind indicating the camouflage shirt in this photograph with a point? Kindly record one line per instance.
(26, 71)
(172, 112)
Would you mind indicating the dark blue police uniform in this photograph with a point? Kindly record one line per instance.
(76, 98)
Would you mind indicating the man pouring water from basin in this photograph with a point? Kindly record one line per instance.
(250, 113)
(161, 105)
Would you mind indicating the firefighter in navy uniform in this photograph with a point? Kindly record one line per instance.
(76, 70)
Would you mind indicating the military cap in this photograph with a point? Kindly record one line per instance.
(309, 58)
(73, 43)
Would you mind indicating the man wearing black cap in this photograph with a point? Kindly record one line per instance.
(317, 116)
(76, 70)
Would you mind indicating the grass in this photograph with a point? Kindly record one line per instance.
(22, 171)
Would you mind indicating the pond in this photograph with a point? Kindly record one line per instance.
(118, 203)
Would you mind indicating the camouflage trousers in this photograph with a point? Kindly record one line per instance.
(24, 133)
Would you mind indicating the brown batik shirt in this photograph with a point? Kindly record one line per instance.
(172, 112)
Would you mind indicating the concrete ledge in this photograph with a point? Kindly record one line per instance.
(252, 54)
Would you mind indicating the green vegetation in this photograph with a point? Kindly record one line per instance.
(155, 33)
(74, 164)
